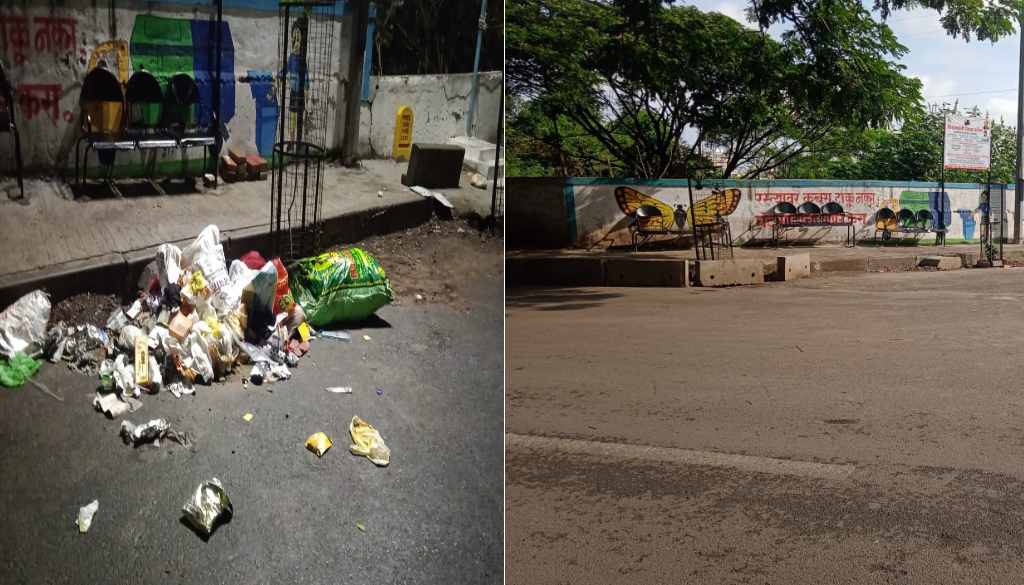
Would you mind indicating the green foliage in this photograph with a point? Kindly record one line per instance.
(912, 153)
(635, 75)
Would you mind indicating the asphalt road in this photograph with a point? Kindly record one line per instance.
(853, 429)
(433, 516)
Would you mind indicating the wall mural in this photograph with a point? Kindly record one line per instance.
(601, 206)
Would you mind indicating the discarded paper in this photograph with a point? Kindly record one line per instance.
(85, 514)
(208, 507)
(318, 443)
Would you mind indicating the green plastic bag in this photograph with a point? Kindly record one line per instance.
(345, 285)
(16, 371)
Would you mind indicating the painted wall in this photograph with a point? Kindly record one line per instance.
(597, 219)
(439, 104)
(47, 50)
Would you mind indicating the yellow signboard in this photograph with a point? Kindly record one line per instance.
(403, 134)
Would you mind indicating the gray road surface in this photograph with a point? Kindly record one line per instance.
(433, 516)
(853, 429)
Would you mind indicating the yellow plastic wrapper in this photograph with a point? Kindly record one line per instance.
(214, 325)
(318, 443)
(367, 442)
(198, 283)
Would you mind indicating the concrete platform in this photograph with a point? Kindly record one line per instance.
(100, 245)
(941, 262)
(737, 272)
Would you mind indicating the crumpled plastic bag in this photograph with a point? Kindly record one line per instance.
(207, 255)
(168, 264)
(208, 507)
(151, 432)
(17, 370)
(367, 442)
(124, 377)
(198, 356)
(23, 324)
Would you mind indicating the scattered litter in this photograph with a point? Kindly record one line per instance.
(151, 432)
(181, 388)
(113, 406)
(303, 331)
(342, 285)
(342, 335)
(380, 193)
(361, 526)
(208, 507)
(339, 389)
(85, 514)
(247, 417)
(419, 297)
(367, 338)
(380, 391)
(367, 442)
(23, 325)
(17, 370)
(318, 443)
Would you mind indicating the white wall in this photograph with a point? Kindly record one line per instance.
(439, 103)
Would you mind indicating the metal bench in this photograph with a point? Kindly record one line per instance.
(786, 217)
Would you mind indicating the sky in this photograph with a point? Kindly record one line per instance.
(977, 73)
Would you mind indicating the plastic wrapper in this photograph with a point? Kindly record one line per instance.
(208, 507)
(347, 285)
(83, 347)
(85, 516)
(156, 379)
(117, 320)
(23, 325)
(112, 406)
(367, 442)
(198, 356)
(259, 372)
(124, 377)
(318, 443)
(168, 265)
(206, 254)
(150, 432)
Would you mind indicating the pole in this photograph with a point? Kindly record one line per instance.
(493, 220)
(217, 140)
(1018, 192)
(940, 236)
(692, 214)
(482, 24)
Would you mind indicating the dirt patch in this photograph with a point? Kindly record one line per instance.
(85, 308)
(435, 260)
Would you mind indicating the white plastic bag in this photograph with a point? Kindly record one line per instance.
(207, 255)
(199, 356)
(168, 264)
(23, 324)
(229, 297)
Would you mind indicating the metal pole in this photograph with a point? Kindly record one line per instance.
(692, 214)
(476, 68)
(941, 234)
(217, 140)
(1018, 192)
(493, 220)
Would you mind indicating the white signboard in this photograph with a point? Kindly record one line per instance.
(968, 140)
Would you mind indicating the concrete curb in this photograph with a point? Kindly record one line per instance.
(117, 272)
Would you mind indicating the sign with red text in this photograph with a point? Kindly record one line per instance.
(968, 143)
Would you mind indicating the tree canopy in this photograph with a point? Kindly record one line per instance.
(654, 84)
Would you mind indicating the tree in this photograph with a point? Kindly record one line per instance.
(636, 76)
(912, 153)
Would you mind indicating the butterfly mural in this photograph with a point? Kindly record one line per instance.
(720, 203)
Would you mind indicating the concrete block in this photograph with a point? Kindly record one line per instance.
(646, 272)
(729, 272)
(941, 262)
(555, 270)
(793, 267)
(434, 166)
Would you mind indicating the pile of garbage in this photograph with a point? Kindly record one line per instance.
(196, 320)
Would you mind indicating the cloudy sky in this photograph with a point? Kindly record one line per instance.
(975, 73)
